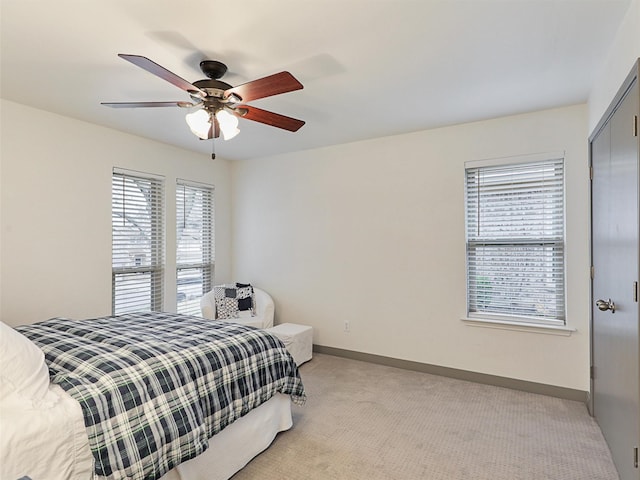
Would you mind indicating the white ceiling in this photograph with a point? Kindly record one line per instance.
(369, 68)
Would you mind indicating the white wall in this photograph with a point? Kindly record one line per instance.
(55, 211)
(624, 52)
(373, 233)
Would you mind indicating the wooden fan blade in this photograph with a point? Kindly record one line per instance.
(268, 118)
(275, 84)
(146, 104)
(159, 71)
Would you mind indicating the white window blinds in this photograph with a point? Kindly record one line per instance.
(194, 251)
(515, 241)
(137, 242)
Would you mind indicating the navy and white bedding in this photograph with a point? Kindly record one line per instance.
(154, 387)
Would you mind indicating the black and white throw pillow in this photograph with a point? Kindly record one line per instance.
(245, 296)
(231, 299)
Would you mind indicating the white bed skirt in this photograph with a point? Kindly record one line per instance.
(236, 445)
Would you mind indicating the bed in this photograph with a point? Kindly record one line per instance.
(144, 396)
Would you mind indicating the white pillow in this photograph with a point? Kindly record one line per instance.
(23, 370)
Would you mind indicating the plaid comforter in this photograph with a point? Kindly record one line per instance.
(154, 387)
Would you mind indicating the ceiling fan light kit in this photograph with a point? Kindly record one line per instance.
(200, 123)
(219, 105)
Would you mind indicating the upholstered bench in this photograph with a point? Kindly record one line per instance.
(297, 338)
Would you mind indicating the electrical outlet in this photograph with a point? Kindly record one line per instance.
(347, 326)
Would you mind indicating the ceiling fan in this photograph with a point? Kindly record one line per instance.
(217, 105)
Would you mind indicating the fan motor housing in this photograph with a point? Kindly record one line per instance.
(214, 88)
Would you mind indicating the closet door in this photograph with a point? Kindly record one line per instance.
(615, 247)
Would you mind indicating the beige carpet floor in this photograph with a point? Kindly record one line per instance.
(369, 422)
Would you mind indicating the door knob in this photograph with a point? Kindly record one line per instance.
(605, 305)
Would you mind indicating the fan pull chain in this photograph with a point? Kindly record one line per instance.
(213, 149)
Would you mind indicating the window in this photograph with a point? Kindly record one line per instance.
(137, 242)
(194, 239)
(515, 239)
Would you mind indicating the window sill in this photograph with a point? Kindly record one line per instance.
(519, 326)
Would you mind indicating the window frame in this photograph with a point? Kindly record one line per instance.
(156, 265)
(207, 265)
(557, 244)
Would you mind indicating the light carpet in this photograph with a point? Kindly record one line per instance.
(367, 421)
